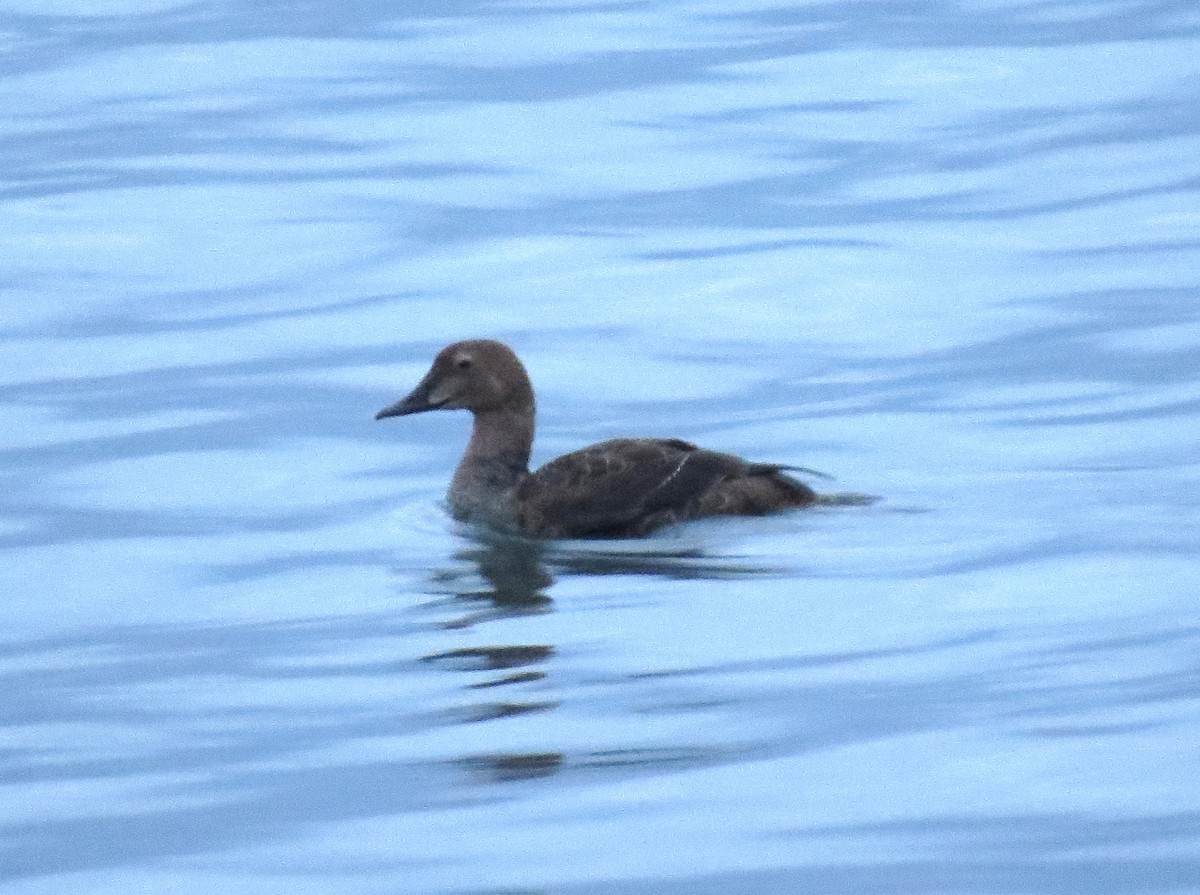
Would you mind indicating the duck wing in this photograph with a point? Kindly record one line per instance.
(624, 487)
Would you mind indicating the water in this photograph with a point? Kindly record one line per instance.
(945, 252)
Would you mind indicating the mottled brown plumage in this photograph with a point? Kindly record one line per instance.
(626, 487)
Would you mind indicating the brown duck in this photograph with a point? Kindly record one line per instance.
(626, 487)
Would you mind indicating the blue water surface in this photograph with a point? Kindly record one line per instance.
(945, 251)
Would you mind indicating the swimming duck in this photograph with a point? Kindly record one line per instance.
(626, 487)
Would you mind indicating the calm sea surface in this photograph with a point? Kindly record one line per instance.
(948, 252)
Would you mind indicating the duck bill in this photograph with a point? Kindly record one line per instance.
(416, 401)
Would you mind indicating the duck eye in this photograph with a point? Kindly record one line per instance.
(463, 363)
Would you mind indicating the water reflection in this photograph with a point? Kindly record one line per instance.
(497, 576)
(512, 573)
(514, 766)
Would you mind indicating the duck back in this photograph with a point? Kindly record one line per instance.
(628, 487)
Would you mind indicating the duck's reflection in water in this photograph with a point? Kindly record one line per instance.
(499, 575)
(496, 576)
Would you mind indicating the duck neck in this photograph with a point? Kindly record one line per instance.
(495, 461)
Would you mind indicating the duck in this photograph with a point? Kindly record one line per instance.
(620, 488)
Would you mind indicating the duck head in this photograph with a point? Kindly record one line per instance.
(479, 375)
